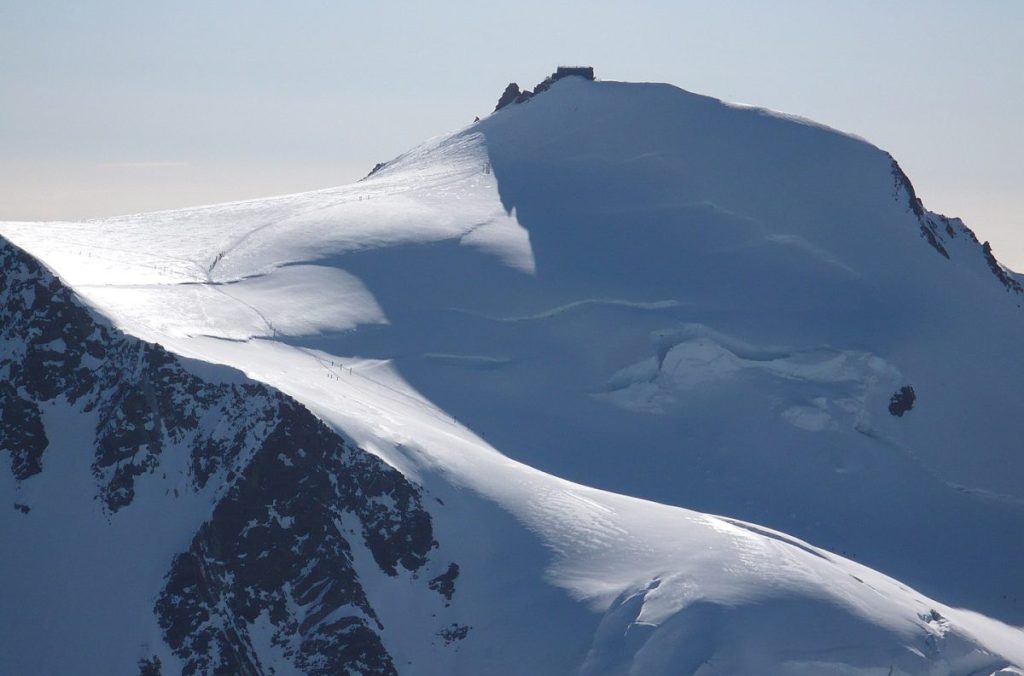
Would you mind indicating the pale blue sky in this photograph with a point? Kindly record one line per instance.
(110, 107)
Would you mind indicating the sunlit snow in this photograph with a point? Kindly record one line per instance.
(629, 290)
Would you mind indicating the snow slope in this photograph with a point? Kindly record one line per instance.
(627, 289)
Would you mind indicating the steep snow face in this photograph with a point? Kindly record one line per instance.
(652, 292)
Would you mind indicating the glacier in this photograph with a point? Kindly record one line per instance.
(598, 335)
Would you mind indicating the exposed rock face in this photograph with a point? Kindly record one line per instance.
(377, 167)
(276, 543)
(935, 228)
(21, 431)
(902, 401)
(510, 95)
(47, 346)
(146, 401)
(1010, 283)
(453, 633)
(444, 584)
(902, 183)
(903, 186)
(293, 495)
(150, 667)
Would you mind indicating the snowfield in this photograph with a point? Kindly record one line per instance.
(585, 326)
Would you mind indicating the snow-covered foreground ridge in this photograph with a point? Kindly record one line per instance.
(613, 285)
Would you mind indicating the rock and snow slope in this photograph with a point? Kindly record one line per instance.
(624, 286)
(172, 511)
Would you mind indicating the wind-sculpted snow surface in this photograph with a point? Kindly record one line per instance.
(606, 289)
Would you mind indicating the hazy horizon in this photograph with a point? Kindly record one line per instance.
(113, 109)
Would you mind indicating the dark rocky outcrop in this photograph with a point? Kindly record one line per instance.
(55, 350)
(455, 632)
(932, 237)
(150, 666)
(903, 186)
(278, 541)
(1010, 283)
(377, 167)
(510, 95)
(22, 433)
(902, 401)
(513, 94)
(935, 226)
(444, 584)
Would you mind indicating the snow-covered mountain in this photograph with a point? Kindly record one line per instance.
(474, 413)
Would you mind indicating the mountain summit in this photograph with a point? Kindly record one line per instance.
(477, 413)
